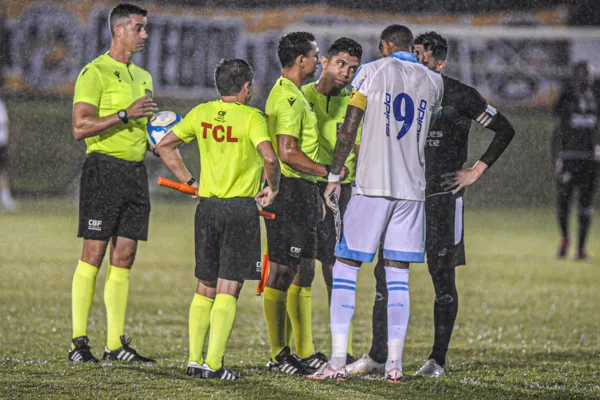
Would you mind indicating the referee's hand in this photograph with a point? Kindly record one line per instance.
(265, 197)
(142, 107)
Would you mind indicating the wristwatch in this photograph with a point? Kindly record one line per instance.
(122, 114)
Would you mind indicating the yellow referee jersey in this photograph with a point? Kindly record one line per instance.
(290, 114)
(330, 111)
(111, 86)
(228, 134)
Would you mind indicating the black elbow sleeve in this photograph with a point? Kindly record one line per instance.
(504, 133)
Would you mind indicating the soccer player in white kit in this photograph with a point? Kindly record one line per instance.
(397, 97)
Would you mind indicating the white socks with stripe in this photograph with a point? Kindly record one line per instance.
(398, 312)
(343, 299)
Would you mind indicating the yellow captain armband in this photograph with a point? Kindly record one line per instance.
(358, 99)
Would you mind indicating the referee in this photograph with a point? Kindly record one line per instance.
(446, 179)
(233, 141)
(292, 235)
(328, 97)
(112, 101)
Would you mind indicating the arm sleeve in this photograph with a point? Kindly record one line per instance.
(88, 87)
(474, 106)
(184, 130)
(258, 130)
(289, 116)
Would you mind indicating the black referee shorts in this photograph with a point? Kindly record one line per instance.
(113, 198)
(227, 235)
(444, 231)
(293, 233)
(582, 174)
(326, 237)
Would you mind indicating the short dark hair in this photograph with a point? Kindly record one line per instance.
(435, 42)
(345, 45)
(292, 45)
(124, 10)
(399, 35)
(231, 75)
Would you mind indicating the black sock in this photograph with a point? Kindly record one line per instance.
(445, 310)
(584, 226)
(379, 350)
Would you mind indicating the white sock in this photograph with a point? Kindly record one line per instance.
(398, 312)
(343, 299)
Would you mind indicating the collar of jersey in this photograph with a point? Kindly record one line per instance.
(404, 56)
(113, 61)
(289, 84)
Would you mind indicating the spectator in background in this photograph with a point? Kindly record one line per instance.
(8, 203)
(576, 149)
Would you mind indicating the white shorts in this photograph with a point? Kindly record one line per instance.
(398, 224)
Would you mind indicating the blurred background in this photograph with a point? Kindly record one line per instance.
(516, 53)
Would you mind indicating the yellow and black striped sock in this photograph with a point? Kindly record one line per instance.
(82, 294)
(199, 323)
(116, 291)
(275, 315)
(222, 318)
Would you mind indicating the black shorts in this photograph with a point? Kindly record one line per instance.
(580, 173)
(113, 199)
(444, 242)
(326, 237)
(293, 233)
(3, 157)
(227, 235)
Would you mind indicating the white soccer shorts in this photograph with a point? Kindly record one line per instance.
(398, 224)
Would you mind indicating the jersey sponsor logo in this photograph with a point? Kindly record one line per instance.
(291, 100)
(95, 225)
(486, 116)
(219, 133)
(433, 138)
(221, 116)
(421, 117)
(387, 103)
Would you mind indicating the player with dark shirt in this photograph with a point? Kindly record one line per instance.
(576, 149)
(445, 154)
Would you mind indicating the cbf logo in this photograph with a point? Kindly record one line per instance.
(94, 225)
(403, 108)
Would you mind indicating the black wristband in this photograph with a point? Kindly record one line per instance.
(191, 181)
(328, 169)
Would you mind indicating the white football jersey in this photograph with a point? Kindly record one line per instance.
(402, 95)
(3, 125)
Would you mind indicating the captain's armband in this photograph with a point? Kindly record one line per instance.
(358, 100)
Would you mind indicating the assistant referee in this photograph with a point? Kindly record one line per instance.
(234, 144)
(112, 100)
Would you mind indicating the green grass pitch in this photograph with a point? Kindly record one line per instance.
(528, 325)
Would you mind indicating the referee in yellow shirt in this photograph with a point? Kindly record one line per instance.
(328, 98)
(234, 146)
(111, 104)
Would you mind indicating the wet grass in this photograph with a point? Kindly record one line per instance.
(527, 326)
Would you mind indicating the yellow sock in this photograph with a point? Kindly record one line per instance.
(222, 318)
(288, 331)
(305, 346)
(116, 291)
(199, 322)
(329, 289)
(275, 315)
(82, 294)
(293, 314)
